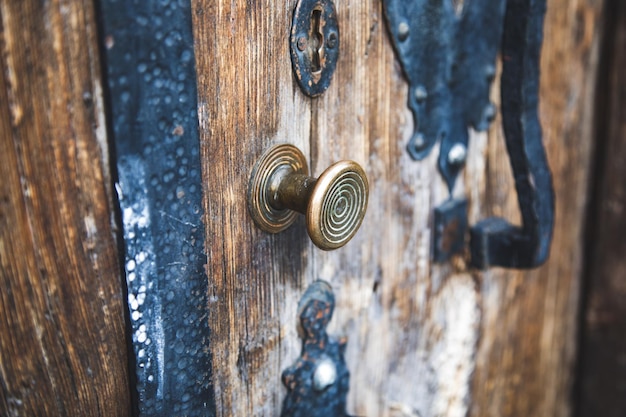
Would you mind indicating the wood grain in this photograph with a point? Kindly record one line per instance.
(602, 385)
(423, 339)
(62, 343)
(412, 326)
(525, 360)
(247, 100)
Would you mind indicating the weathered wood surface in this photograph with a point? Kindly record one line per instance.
(424, 339)
(62, 342)
(525, 359)
(246, 102)
(527, 351)
(602, 385)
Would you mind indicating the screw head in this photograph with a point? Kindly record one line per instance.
(419, 142)
(457, 154)
(325, 375)
(420, 93)
(403, 31)
(490, 72)
(489, 113)
(302, 43)
(416, 146)
(331, 42)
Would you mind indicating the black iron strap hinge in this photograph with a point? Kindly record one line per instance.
(448, 52)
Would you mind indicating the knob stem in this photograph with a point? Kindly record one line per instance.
(333, 204)
(293, 192)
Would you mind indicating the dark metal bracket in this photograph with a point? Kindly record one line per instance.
(447, 50)
(318, 382)
(448, 55)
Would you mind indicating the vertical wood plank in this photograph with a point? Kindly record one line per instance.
(423, 339)
(602, 384)
(248, 101)
(525, 360)
(410, 324)
(62, 343)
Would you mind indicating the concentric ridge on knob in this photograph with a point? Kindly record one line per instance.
(337, 205)
(334, 204)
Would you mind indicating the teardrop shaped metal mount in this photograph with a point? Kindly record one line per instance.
(319, 380)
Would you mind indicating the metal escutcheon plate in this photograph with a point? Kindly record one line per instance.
(314, 45)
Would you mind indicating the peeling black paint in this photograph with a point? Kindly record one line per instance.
(148, 50)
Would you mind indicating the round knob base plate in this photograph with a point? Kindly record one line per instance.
(334, 204)
(278, 161)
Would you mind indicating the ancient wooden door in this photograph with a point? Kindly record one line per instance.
(423, 338)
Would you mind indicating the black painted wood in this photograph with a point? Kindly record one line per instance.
(152, 95)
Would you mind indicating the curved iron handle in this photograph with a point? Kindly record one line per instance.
(494, 241)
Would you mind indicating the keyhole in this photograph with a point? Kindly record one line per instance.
(316, 41)
(314, 44)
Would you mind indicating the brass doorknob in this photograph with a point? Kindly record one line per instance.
(334, 204)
